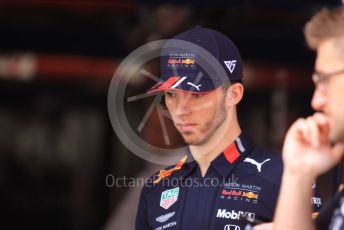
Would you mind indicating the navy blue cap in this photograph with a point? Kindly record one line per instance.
(180, 67)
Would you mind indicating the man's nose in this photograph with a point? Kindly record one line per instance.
(183, 106)
(318, 100)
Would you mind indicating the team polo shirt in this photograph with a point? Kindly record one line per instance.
(243, 179)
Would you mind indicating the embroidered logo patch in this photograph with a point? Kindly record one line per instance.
(169, 197)
(164, 218)
(230, 65)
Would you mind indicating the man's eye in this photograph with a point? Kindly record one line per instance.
(197, 95)
(169, 94)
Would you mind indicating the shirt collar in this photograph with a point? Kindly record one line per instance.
(232, 155)
(225, 162)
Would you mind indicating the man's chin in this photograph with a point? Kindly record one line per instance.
(336, 137)
(193, 141)
(189, 139)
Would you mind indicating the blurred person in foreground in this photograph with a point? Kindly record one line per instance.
(315, 144)
(224, 174)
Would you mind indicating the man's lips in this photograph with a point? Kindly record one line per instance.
(186, 127)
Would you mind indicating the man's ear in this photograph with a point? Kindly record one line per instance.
(234, 94)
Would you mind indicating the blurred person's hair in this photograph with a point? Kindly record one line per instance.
(326, 24)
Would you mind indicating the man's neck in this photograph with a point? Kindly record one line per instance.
(222, 138)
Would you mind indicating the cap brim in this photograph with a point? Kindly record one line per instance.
(176, 83)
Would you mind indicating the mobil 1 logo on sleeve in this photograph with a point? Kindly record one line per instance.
(169, 197)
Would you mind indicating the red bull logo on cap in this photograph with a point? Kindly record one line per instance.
(187, 61)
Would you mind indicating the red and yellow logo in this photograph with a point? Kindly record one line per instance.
(165, 173)
(188, 61)
(250, 195)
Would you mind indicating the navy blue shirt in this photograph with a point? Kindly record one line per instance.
(332, 215)
(243, 179)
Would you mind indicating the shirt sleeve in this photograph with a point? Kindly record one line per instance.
(141, 222)
(323, 220)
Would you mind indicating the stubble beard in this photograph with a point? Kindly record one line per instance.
(209, 128)
(337, 131)
(336, 123)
